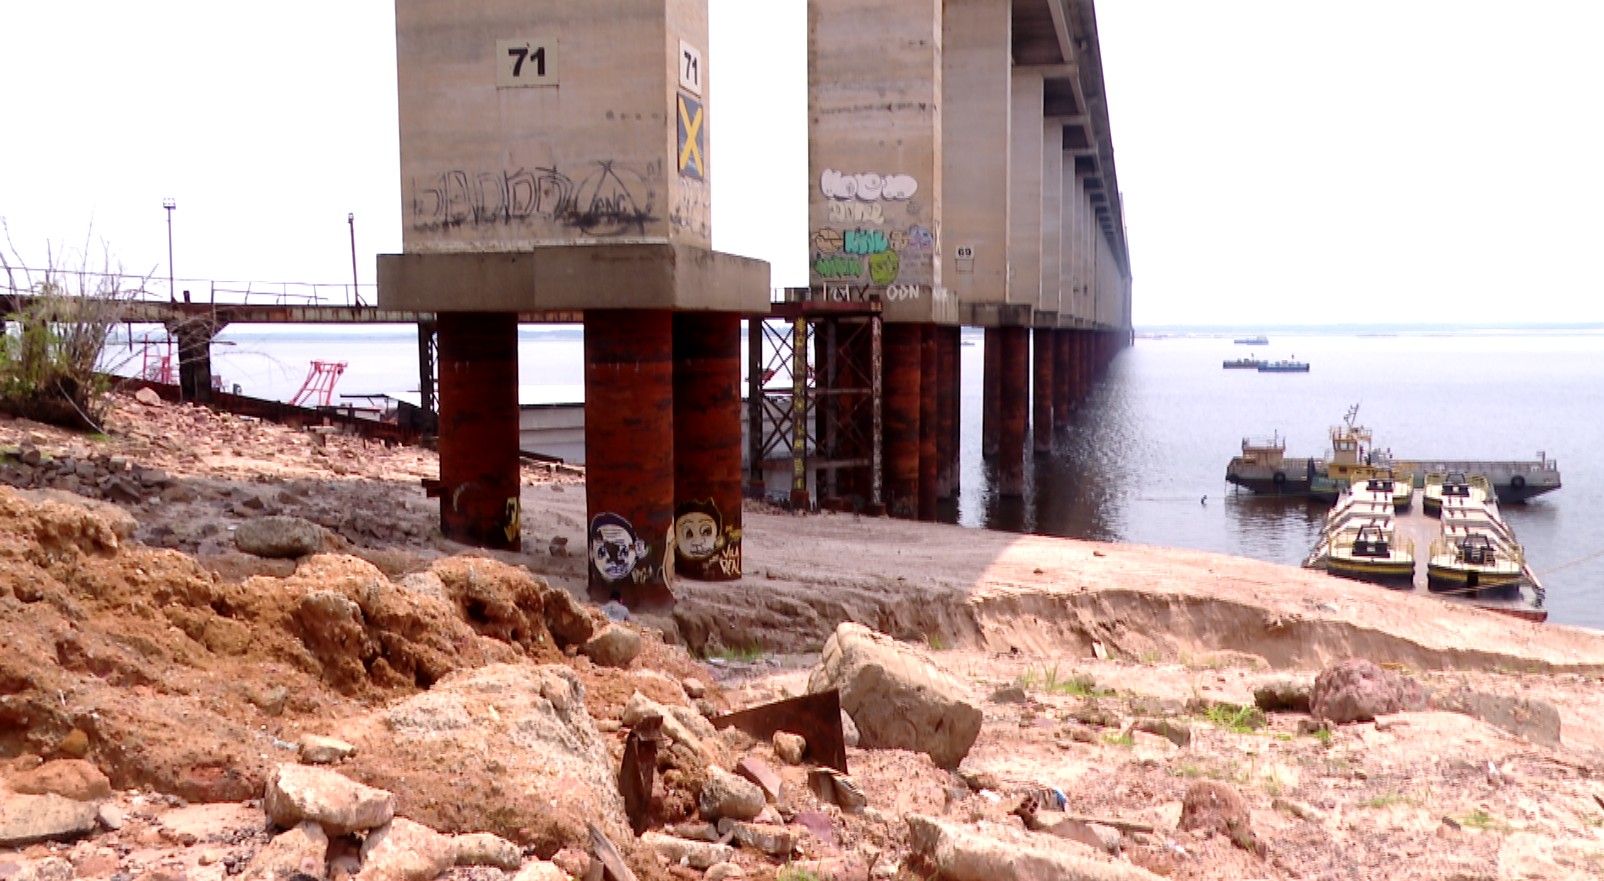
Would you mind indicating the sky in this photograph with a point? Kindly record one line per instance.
(1281, 162)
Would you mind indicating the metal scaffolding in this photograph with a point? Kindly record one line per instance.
(814, 399)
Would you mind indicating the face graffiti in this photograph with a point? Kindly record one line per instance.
(697, 530)
(614, 547)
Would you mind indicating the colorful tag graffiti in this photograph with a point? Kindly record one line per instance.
(704, 546)
(865, 252)
(617, 553)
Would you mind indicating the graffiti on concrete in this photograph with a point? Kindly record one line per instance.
(704, 545)
(693, 208)
(856, 212)
(873, 256)
(608, 199)
(867, 186)
(616, 552)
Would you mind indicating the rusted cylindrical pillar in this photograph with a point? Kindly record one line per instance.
(1042, 388)
(1081, 356)
(1062, 380)
(629, 455)
(1015, 414)
(949, 342)
(928, 430)
(479, 485)
(903, 364)
(991, 394)
(707, 445)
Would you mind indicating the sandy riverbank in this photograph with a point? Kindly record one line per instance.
(1154, 628)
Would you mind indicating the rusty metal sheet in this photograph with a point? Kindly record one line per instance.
(638, 770)
(817, 717)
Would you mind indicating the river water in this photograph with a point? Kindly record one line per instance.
(1144, 459)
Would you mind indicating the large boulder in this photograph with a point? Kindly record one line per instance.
(1212, 808)
(338, 804)
(29, 819)
(1008, 853)
(402, 850)
(517, 749)
(279, 536)
(1357, 690)
(897, 696)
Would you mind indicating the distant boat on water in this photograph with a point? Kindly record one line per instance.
(1243, 363)
(1260, 340)
(1285, 365)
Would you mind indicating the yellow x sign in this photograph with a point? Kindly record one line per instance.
(690, 128)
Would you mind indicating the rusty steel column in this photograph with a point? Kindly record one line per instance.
(194, 360)
(949, 352)
(1015, 381)
(1062, 380)
(707, 445)
(479, 479)
(903, 362)
(991, 393)
(755, 342)
(629, 455)
(928, 431)
(1078, 359)
(1042, 409)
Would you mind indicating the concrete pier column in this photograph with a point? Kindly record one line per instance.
(629, 455)
(929, 431)
(991, 394)
(707, 445)
(1044, 353)
(1081, 357)
(194, 360)
(1015, 415)
(949, 409)
(1062, 380)
(903, 367)
(479, 482)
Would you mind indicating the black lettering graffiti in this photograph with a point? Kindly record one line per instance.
(609, 200)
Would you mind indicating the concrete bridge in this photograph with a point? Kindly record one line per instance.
(960, 173)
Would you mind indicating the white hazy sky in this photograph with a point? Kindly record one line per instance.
(1282, 162)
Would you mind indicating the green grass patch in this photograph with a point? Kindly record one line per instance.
(797, 873)
(1387, 800)
(936, 643)
(1052, 682)
(1126, 740)
(1480, 819)
(743, 654)
(1236, 718)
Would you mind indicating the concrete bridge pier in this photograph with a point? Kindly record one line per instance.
(991, 395)
(707, 445)
(479, 480)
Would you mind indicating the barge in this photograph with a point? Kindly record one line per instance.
(1264, 467)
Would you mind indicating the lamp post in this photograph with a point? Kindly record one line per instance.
(169, 205)
(350, 220)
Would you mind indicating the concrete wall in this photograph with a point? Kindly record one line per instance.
(875, 153)
(498, 158)
(975, 88)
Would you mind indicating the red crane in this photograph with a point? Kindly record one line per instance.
(319, 384)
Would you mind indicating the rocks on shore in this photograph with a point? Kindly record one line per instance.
(897, 696)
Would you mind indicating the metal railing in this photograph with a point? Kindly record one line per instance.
(24, 280)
